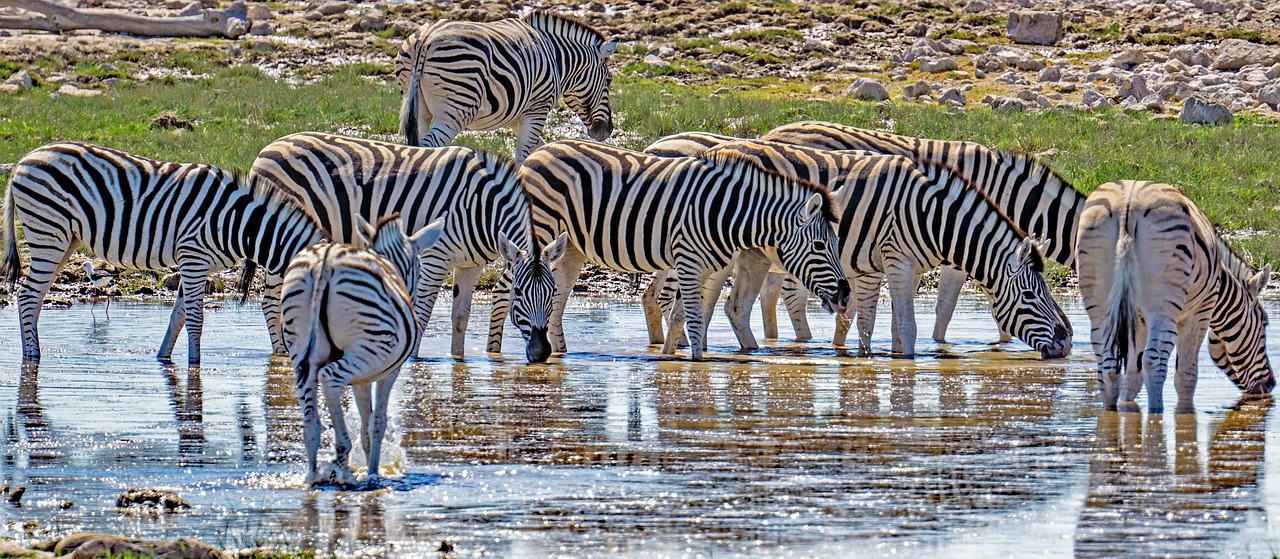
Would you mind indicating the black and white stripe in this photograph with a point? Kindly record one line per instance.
(338, 178)
(1155, 276)
(1036, 198)
(507, 74)
(639, 213)
(899, 223)
(349, 320)
(140, 213)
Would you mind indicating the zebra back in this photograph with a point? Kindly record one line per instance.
(1039, 200)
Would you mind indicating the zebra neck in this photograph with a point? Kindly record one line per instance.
(970, 234)
(269, 232)
(1226, 301)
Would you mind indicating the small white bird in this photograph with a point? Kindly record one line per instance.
(100, 281)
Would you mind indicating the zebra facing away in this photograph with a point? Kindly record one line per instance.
(338, 179)
(638, 213)
(507, 74)
(898, 223)
(349, 320)
(140, 213)
(1155, 276)
(1036, 198)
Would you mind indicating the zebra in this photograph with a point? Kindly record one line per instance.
(639, 213)
(508, 74)
(1035, 197)
(898, 222)
(349, 320)
(338, 178)
(136, 212)
(1152, 266)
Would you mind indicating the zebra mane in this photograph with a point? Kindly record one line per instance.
(564, 26)
(275, 198)
(729, 156)
(1032, 162)
(956, 175)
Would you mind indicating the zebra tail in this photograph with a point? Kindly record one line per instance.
(10, 267)
(305, 365)
(409, 112)
(246, 279)
(1122, 316)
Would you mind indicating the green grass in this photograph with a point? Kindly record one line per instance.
(1232, 172)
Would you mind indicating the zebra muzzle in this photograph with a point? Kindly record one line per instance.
(539, 348)
(600, 130)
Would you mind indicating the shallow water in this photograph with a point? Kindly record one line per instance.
(971, 450)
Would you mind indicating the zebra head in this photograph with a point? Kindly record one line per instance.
(389, 241)
(1237, 335)
(532, 289)
(811, 252)
(1026, 309)
(586, 89)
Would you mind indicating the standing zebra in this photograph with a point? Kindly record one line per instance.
(348, 318)
(1036, 198)
(638, 213)
(1150, 261)
(338, 179)
(140, 213)
(898, 223)
(508, 74)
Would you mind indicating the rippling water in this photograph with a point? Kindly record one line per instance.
(972, 450)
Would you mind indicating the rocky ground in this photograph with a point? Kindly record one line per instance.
(1137, 54)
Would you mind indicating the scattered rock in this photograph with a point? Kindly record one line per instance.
(1134, 86)
(262, 27)
(1270, 94)
(10, 549)
(916, 89)
(259, 12)
(867, 88)
(169, 119)
(976, 6)
(1096, 101)
(934, 65)
(95, 546)
(952, 96)
(333, 7)
(820, 88)
(21, 79)
(656, 62)
(1191, 55)
(1035, 28)
(1234, 54)
(1007, 104)
(1012, 77)
(73, 91)
(720, 67)
(1198, 110)
(919, 29)
(1050, 74)
(157, 498)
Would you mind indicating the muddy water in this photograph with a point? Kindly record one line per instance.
(972, 450)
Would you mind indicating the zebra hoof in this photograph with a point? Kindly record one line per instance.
(1130, 407)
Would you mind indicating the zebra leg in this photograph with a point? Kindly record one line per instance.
(769, 292)
(866, 300)
(692, 277)
(712, 286)
(796, 298)
(566, 271)
(47, 257)
(176, 319)
(1161, 337)
(305, 377)
(676, 337)
(363, 395)
(501, 308)
(652, 308)
(379, 427)
(464, 285)
(529, 135)
(950, 283)
(1190, 337)
(271, 309)
(902, 293)
(753, 268)
(332, 380)
(193, 281)
(430, 279)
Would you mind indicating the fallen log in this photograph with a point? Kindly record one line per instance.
(229, 22)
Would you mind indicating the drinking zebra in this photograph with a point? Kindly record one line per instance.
(1152, 266)
(338, 179)
(507, 74)
(348, 319)
(639, 213)
(897, 223)
(1036, 198)
(141, 213)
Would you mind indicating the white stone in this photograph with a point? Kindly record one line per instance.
(1200, 111)
(934, 65)
(1036, 28)
(867, 88)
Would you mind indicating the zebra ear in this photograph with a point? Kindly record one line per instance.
(427, 236)
(1022, 256)
(556, 249)
(607, 49)
(812, 208)
(510, 251)
(364, 232)
(1259, 280)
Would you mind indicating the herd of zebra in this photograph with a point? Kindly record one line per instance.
(356, 237)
